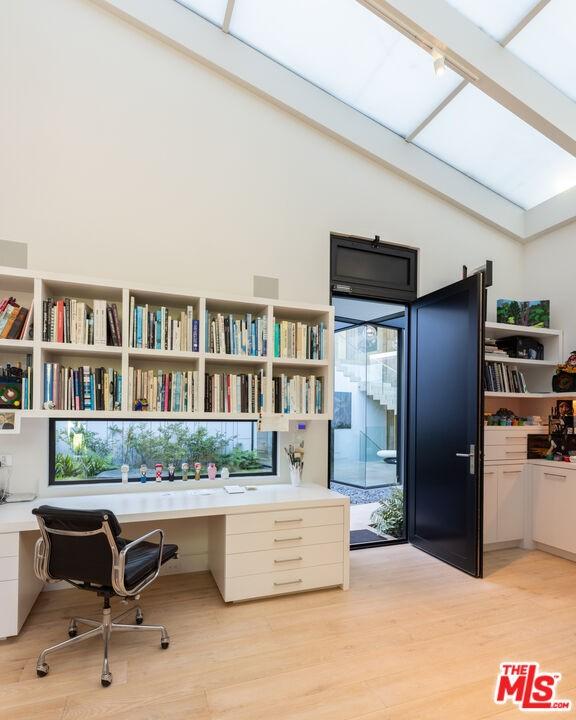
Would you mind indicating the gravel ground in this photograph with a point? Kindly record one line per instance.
(361, 496)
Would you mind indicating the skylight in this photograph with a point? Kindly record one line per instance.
(213, 10)
(495, 17)
(489, 143)
(351, 53)
(547, 44)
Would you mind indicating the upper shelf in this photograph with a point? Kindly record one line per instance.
(500, 330)
(493, 357)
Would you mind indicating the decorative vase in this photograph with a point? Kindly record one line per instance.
(295, 476)
(212, 469)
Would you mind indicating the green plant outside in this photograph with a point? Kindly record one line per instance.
(388, 518)
(89, 456)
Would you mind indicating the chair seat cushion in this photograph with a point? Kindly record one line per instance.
(141, 560)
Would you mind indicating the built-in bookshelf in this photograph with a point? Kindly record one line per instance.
(186, 354)
(536, 396)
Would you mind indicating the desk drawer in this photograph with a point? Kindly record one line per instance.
(508, 439)
(9, 544)
(283, 519)
(9, 605)
(281, 583)
(8, 568)
(276, 539)
(505, 452)
(266, 561)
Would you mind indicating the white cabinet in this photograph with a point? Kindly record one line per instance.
(553, 504)
(503, 503)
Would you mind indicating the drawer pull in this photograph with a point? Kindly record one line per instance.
(290, 582)
(549, 474)
(288, 560)
(511, 472)
(288, 539)
(278, 522)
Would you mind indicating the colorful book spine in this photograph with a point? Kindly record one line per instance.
(299, 341)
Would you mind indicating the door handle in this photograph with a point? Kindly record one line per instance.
(471, 456)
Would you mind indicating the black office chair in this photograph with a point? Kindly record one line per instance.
(84, 548)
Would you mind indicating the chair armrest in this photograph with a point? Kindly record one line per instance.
(119, 567)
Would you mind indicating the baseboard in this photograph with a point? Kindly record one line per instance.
(555, 551)
(180, 565)
(489, 547)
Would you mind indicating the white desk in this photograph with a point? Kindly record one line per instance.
(270, 541)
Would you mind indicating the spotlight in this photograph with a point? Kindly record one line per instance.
(439, 62)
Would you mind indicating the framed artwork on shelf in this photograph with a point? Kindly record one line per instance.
(530, 313)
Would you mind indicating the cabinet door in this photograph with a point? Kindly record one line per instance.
(510, 503)
(490, 505)
(552, 508)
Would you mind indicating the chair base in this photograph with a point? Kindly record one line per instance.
(104, 630)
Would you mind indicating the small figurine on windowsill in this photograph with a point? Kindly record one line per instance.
(124, 469)
(197, 470)
(159, 467)
(185, 469)
(224, 473)
(212, 470)
(171, 470)
(143, 473)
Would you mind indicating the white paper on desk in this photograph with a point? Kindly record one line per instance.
(234, 489)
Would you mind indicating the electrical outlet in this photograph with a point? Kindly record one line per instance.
(6, 460)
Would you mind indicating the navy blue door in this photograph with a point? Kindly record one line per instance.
(445, 492)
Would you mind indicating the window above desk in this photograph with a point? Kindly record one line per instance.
(93, 451)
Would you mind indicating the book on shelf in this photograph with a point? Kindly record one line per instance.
(228, 334)
(300, 341)
(298, 394)
(69, 320)
(82, 388)
(163, 390)
(491, 348)
(163, 329)
(15, 320)
(234, 393)
(16, 385)
(503, 378)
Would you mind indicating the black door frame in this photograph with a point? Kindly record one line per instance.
(403, 393)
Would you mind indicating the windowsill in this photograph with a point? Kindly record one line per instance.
(46, 490)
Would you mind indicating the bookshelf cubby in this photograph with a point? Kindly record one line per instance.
(537, 373)
(32, 287)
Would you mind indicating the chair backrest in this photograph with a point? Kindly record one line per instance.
(80, 545)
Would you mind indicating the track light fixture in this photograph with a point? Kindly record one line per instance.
(439, 62)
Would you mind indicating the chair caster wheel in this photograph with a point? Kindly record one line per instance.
(164, 644)
(106, 680)
(139, 617)
(72, 633)
(42, 670)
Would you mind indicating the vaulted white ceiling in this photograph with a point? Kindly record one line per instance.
(495, 133)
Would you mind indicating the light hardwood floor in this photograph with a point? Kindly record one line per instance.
(413, 639)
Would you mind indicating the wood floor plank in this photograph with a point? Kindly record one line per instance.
(413, 638)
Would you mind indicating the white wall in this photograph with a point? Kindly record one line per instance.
(549, 274)
(123, 158)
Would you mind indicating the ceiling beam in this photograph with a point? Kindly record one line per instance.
(228, 16)
(499, 73)
(207, 44)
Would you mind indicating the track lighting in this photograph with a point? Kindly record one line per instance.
(439, 62)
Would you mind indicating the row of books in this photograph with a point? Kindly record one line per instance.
(499, 377)
(236, 335)
(159, 330)
(82, 388)
(297, 394)
(163, 390)
(230, 393)
(74, 321)
(15, 320)
(299, 340)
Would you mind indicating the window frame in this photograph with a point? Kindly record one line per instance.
(53, 482)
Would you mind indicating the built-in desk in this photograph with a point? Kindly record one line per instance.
(269, 541)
